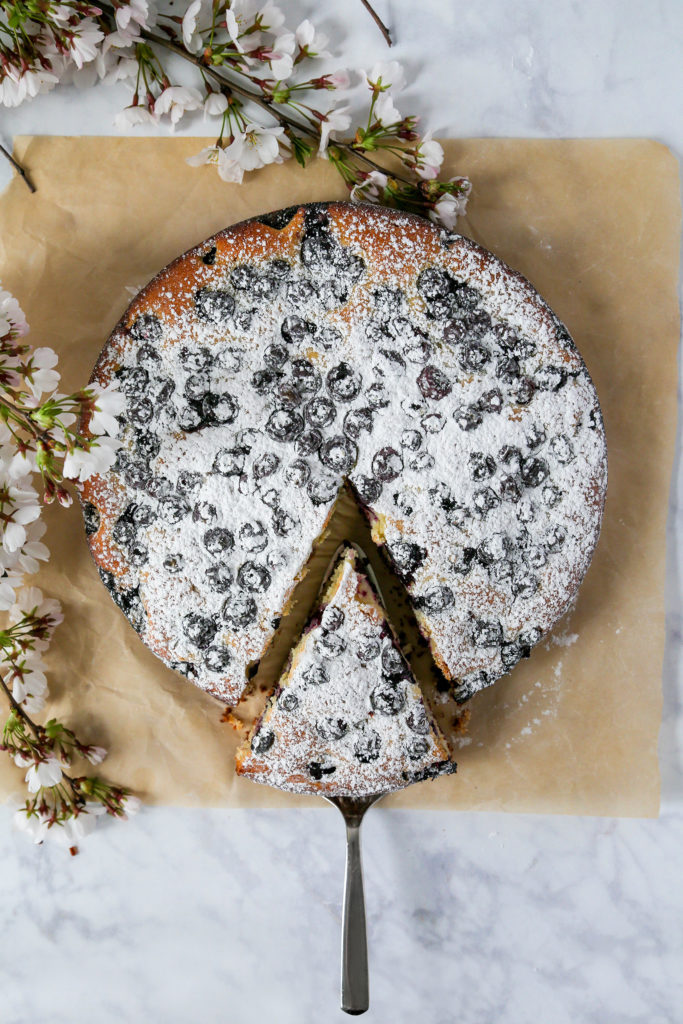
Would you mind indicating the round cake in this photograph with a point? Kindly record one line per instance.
(337, 344)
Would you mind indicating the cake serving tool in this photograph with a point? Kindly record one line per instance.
(355, 987)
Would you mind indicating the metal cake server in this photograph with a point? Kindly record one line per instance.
(355, 993)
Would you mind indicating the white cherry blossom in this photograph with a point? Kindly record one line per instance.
(259, 146)
(191, 37)
(131, 117)
(12, 319)
(84, 42)
(30, 601)
(335, 121)
(79, 463)
(369, 190)
(131, 17)
(385, 75)
(44, 773)
(229, 169)
(312, 42)
(385, 112)
(109, 403)
(42, 376)
(215, 104)
(448, 209)
(429, 157)
(176, 100)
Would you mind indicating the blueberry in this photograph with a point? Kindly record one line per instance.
(284, 425)
(387, 698)
(196, 386)
(319, 250)
(305, 376)
(189, 419)
(275, 356)
(173, 564)
(535, 436)
(320, 412)
(316, 769)
(138, 555)
(358, 420)
(507, 370)
(253, 577)
(322, 489)
(217, 659)
(536, 557)
(147, 328)
(148, 357)
(418, 351)
(402, 502)
(159, 487)
(229, 462)
(218, 540)
(377, 396)
(124, 532)
(393, 664)
(219, 409)
(242, 277)
(130, 604)
(436, 599)
(442, 495)
(367, 746)
(173, 508)
(196, 358)
(509, 488)
(473, 357)
(309, 442)
(491, 401)
(433, 283)
(215, 307)
(253, 536)
(343, 382)
(265, 287)
(298, 473)
(511, 456)
(141, 412)
(481, 466)
(338, 453)
(315, 675)
(411, 439)
(204, 512)
(367, 488)
(487, 633)
(186, 668)
(133, 381)
(433, 383)
(148, 445)
(510, 654)
(388, 300)
(265, 465)
(262, 741)
(531, 636)
(468, 417)
(332, 619)
(288, 701)
(368, 648)
(394, 357)
(279, 269)
(294, 329)
(406, 556)
(551, 495)
(462, 562)
(199, 629)
(485, 500)
(551, 378)
(331, 728)
(493, 549)
(387, 464)
(534, 472)
(423, 461)
(417, 747)
(525, 391)
(209, 257)
(219, 577)
(239, 611)
(433, 423)
(562, 449)
(330, 644)
(283, 523)
(91, 518)
(417, 720)
(523, 584)
(478, 322)
(328, 338)
(299, 292)
(555, 538)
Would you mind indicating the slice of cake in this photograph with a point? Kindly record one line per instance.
(347, 717)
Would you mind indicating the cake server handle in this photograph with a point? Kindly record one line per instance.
(355, 997)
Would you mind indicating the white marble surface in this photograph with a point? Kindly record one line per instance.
(234, 916)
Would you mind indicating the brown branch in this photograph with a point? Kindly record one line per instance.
(18, 168)
(378, 21)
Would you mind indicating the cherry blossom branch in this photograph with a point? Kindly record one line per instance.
(378, 21)
(18, 168)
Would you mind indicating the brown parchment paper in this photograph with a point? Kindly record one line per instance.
(595, 226)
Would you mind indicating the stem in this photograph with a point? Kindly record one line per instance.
(18, 168)
(378, 21)
(20, 711)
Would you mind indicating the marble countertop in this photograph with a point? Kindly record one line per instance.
(214, 915)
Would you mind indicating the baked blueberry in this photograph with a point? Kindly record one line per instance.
(331, 728)
(422, 461)
(215, 307)
(368, 488)
(148, 357)
(265, 381)
(411, 439)
(298, 473)
(295, 329)
(283, 523)
(308, 442)
(491, 401)
(284, 425)
(189, 418)
(204, 512)
(436, 599)
(535, 556)
(239, 610)
(433, 423)
(406, 556)
(173, 564)
(388, 301)
(300, 292)
(551, 495)
(319, 250)
(322, 489)
(196, 386)
(534, 472)
(199, 629)
(433, 383)
(253, 577)
(387, 464)
(275, 356)
(218, 540)
(403, 503)
(219, 577)
(320, 411)
(330, 644)
(288, 701)
(462, 562)
(562, 449)
(332, 619)
(305, 376)
(468, 417)
(147, 328)
(510, 654)
(133, 381)
(388, 698)
(317, 769)
(147, 444)
(265, 465)
(524, 583)
(262, 741)
(338, 453)
(358, 420)
(219, 409)
(124, 532)
(229, 462)
(367, 746)
(367, 649)
(393, 664)
(315, 675)
(493, 549)
(481, 466)
(434, 283)
(91, 518)
(535, 436)
(217, 659)
(141, 411)
(530, 637)
(550, 378)
(417, 720)
(473, 356)
(377, 396)
(328, 338)
(555, 538)
(253, 536)
(138, 555)
(485, 500)
(343, 382)
(524, 391)
(487, 633)
(173, 508)
(417, 747)
(242, 277)
(509, 488)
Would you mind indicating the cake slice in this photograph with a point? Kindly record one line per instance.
(347, 717)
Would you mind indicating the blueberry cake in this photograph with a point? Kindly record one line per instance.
(347, 717)
(336, 343)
